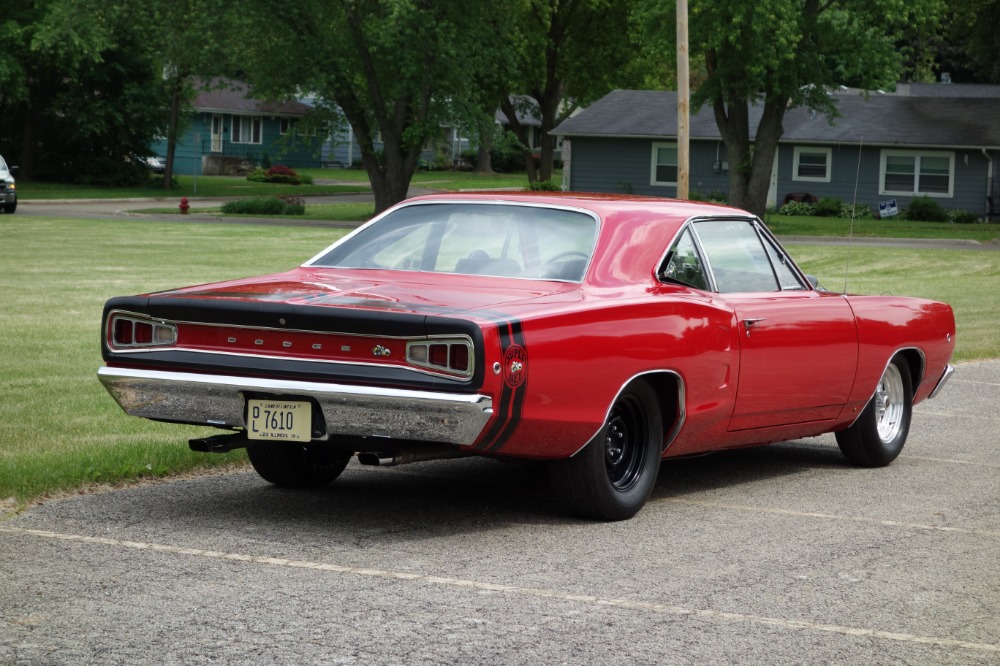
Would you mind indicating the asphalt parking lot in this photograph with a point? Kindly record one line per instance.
(780, 554)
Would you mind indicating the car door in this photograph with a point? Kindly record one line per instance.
(798, 346)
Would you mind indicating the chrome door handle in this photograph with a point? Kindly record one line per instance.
(750, 323)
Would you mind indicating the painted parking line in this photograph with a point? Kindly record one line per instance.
(958, 415)
(951, 461)
(446, 581)
(827, 516)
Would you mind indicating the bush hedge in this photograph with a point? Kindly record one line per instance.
(265, 206)
(925, 209)
(278, 174)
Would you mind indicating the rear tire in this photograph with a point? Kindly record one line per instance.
(614, 474)
(296, 465)
(878, 436)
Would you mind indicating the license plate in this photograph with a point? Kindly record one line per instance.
(279, 420)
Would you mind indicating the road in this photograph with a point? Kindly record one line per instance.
(775, 555)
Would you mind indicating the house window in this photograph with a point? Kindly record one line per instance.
(664, 168)
(246, 129)
(811, 164)
(284, 126)
(908, 172)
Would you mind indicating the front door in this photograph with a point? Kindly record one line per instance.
(798, 347)
(217, 133)
(798, 357)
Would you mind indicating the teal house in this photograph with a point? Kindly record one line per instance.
(231, 132)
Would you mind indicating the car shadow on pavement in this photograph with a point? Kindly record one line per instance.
(440, 498)
(390, 506)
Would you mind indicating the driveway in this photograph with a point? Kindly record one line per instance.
(777, 555)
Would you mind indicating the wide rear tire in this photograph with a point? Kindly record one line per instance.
(878, 436)
(296, 465)
(614, 474)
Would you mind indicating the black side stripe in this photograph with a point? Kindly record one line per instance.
(511, 404)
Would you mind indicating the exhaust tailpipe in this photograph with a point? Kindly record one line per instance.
(406, 456)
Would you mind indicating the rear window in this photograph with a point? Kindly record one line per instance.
(503, 240)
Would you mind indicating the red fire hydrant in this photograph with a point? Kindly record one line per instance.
(184, 206)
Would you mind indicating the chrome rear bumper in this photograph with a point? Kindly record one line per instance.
(215, 400)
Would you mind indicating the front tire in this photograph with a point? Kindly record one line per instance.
(9, 208)
(878, 436)
(614, 474)
(296, 465)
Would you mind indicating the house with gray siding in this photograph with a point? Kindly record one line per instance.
(231, 129)
(938, 140)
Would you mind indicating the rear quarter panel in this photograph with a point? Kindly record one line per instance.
(579, 356)
(888, 324)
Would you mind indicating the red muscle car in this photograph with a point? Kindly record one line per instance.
(600, 333)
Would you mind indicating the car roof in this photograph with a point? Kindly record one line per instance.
(604, 204)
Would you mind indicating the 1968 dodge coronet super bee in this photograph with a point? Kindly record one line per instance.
(599, 333)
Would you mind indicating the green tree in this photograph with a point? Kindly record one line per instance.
(78, 92)
(970, 45)
(778, 54)
(196, 40)
(395, 68)
(570, 53)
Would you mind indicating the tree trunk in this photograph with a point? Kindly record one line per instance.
(734, 126)
(172, 123)
(521, 132)
(485, 131)
(769, 131)
(390, 180)
(750, 165)
(484, 159)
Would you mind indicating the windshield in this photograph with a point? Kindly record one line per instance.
(507, 240)
(3, 165)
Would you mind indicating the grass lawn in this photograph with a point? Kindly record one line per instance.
(786, 225)
(439, 180)
(59, 429)
(206, 186)
(346, 180)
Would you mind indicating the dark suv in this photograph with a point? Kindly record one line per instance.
(8, 191)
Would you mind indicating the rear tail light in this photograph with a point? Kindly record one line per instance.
(131, 332)
(451, 356)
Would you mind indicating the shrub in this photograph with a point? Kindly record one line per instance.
(507, 154)
(258, 175)
(964, 217)
(857, 211)
(264, 206)
(925, 209)
(827, 207)
(278, 174)
(796, 208)
(157, 182)
(544, 186)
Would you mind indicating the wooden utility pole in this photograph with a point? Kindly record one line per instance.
(683, 103)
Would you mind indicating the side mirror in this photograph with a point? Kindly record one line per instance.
(814, 281)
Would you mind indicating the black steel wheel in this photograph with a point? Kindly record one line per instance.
(614, 474)
(878, 436)
(296, 465)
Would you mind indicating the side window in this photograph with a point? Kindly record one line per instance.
(683, 264)
(736, 255)
(787, 278)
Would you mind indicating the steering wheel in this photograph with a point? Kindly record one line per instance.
(568, 254)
